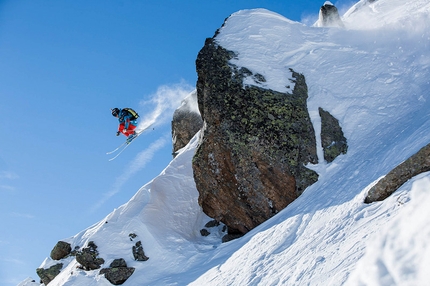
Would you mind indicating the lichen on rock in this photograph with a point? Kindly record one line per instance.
(118, 272)
(333, 140)
(88, 257)
(61, 250)
(47, 275)
(250, 162)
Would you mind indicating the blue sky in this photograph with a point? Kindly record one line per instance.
(63, 65)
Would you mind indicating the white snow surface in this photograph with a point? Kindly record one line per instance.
(373, 76)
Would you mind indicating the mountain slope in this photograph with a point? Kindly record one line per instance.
(373, 77)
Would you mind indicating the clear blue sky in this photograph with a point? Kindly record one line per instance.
(63, 65)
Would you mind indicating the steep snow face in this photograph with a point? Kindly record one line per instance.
(165, 216)
(374, 78)
(400, 253)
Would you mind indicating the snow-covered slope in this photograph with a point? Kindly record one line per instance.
(374, 77)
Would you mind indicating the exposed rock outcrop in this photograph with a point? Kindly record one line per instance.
(87, 257)
(414, 165)
(118, 272)
(250, 162)
(47, 275)
(61, 250)
(329, 16)
(186, 122)
(138, 252)
(332, 139)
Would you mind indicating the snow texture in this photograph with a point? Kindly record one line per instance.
(374, 77)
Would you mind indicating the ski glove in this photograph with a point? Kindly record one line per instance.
(117, 133)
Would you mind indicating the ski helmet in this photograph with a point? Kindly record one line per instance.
(115, 111)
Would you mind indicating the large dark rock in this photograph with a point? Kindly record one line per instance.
(332, 139)
(47, 275)
(250, 162)
(186, 122)
(118, 272)
(61, 250)
(87, 257)
(414, 165)
(329, 16)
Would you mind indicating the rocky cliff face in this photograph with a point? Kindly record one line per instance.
(186, 122)
(254, 145)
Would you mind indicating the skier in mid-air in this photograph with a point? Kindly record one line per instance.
(127, 118)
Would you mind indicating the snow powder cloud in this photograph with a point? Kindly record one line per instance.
(159, 109)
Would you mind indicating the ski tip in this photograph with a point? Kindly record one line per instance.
(113, 158)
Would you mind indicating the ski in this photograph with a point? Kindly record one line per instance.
(113, 151)
(126, 143)
(122, 150)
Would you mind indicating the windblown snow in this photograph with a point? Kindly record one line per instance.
(374, 77)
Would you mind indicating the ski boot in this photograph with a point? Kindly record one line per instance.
(131, 137)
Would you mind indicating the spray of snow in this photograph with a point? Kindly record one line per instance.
(159, 109)
(190, 104)
(391, 15)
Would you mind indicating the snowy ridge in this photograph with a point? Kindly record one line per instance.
(389, 14)
(373, 77)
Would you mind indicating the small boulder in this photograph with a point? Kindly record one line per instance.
(212, 223)
(118, 263)
(204, 232)
(88, 257)
(132, 236)
(47, 275)
(138, 252)
(61, 250)
(118, 272)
